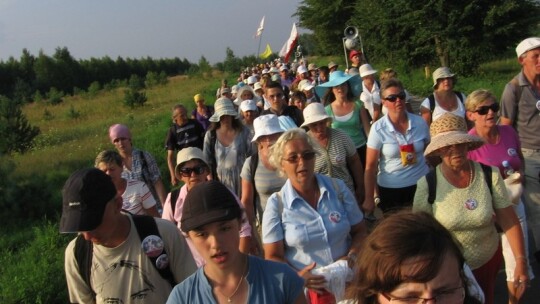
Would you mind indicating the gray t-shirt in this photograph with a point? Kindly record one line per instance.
(524, 113)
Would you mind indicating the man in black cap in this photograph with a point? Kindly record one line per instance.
(117, 257)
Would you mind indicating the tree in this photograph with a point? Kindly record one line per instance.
(460, 34)
(327, 20)
(16, 133)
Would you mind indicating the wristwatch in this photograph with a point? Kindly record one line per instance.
(376, 200)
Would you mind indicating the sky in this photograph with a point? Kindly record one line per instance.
(140, 28)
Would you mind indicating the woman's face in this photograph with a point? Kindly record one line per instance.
(249, 116)
(454, 156)
(193, 173)
(341, 90)
(246, 94)
(318, 129)
(298, 161)
(445, 84)
(217, 242)
(111, 169)
(394, 99)
(485, 114)
(123, 145)
(226, 119)
(445, 287)
(264, 143)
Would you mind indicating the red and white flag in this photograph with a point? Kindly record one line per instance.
(288, 47)
(260, 29)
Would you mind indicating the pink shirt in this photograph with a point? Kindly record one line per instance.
(506, 148)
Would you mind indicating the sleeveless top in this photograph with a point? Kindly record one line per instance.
(352, 126)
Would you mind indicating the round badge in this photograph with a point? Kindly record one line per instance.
(152, 245)
(409, 157)
(162, 261)
(335, 216)
(471, 204)
(512, 152)
(538, 105)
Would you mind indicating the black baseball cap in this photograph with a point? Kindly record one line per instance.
(85, 195)
(207, 203)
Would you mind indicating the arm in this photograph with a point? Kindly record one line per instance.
(160, 189)
(275, 251)
(376, 112)
(247, 200)
(170, 164)
(364, 118)
(370, 178)
(357, 171)
(426, 115)
(507, 219)
(152, 211)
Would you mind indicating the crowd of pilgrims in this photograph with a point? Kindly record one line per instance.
(315, 157)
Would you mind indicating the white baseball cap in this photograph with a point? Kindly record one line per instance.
(527, 45)
(305, 85)
(248, 105)
(301, 69)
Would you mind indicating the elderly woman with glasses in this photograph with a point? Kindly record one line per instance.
(313, 220)
(502, 147)
(192, 169)
(467, 198)
(410, 258)
(395, 154)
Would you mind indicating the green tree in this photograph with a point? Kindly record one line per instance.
(16, 132)
(459, 34)
(327, 20)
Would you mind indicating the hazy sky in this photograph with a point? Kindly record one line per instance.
(140, 28)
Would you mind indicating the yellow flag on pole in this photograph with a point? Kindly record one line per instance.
(267, 52)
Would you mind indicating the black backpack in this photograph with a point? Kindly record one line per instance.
(431, 179)
(146, 225)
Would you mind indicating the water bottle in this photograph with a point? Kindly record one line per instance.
(508, 170)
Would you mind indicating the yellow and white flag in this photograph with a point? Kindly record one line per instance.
(267, 52)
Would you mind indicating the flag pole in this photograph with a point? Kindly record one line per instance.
(259, 47)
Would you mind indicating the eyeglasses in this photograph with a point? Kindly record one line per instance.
(483, 110)
(186, 172)
(448, 296)
(394, 97)
(307, 155)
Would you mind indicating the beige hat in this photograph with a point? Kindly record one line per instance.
(187, 154)
(442, 72)
(527, 45)
(305, 85)
(266, 125)
(314, 112)
(223, 106)
(312, 67)
(257, 86)
(332, 64)
(448, 130)
(367, 69)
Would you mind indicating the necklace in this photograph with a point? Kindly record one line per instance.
(452, 181)
(229, 298)
(470, 173)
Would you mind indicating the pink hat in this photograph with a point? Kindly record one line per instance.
(119, 131)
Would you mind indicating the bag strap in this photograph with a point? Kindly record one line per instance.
(212, 147)
(431, 179)
(253, 164)
(432, 100)
(174, 197)
(145, 225)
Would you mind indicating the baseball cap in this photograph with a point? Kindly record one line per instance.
(198, 97)
(527, 45)
(354, 53)
(248, 105)
(206, 203)
(301, 69)
(305, 85)
(84, 197)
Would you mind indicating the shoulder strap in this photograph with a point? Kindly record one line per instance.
(459, 95)
(431, 103)
(487, 175)
(174, 197)
(253, 164)
(83, 256)
(144, 166)
(212, 148)
(146, 225)
(431, 179)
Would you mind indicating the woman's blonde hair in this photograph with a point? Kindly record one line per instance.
(477, 97)
(276, 151)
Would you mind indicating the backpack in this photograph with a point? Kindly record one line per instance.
(432, 100)
(174, 197)
(431, 179)
(212, 148)
(145, 225)
(253, 164)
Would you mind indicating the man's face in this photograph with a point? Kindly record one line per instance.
(275, 96)
(531, 62)
(180, 116)
(104, 233)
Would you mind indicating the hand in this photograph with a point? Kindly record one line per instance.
(174, 181)
(312, 281)
(368, 206)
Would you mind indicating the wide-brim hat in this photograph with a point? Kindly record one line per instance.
(314, 112)
(448, 130)
(442, 72)
(223, 106)
(366, 70)
(187, 154)
(266, 125)
(337, 78)
(332, 64)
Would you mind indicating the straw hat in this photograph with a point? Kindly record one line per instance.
(448, 130)
(442, 72)
(337, 78)
(223, 106)
(266, 125)
(314, 112)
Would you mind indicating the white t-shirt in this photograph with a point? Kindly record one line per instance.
(438, 111)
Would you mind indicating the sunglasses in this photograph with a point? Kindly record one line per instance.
(186, 172)
(483, 110)
(293, 159)
(394, 97)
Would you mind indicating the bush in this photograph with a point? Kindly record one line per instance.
(133, 98)
(72, 113)
(93, 89)
(34, 274)
(54, 96)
